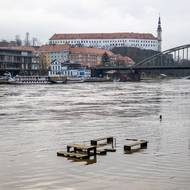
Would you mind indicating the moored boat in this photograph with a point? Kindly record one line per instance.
(74, 80)
(96, 79)
(6, 78)
(36, 79)
(57, 79)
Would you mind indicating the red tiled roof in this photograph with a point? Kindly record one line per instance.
(55, 48)
(20, 48)
(92, 51)
(103, 36)
(26, 48)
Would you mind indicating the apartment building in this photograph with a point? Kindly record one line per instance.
(16, 60)
(88, 56)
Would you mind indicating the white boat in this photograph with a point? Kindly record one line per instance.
(6, 78)
(74, 80)
(96, 79)
(57, 79)
(34, 79)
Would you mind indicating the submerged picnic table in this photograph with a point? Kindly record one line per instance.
(90, 150)
(102, 142)
(80, 151)
(135, 143)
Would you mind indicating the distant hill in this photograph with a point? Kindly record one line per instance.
(134, 53)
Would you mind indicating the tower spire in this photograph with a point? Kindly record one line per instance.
(159, 34)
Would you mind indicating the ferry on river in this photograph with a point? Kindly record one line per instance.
(31, 80)
(8, 79)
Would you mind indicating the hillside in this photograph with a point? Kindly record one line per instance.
(136, 54)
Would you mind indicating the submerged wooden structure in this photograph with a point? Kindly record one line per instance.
(79, 151)
(103, 144)
(134, 145)
(99, 146)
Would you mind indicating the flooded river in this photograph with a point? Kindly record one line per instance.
(36, 121)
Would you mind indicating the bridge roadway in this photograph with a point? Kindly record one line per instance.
(139, 68)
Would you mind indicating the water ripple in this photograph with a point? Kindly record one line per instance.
(37, 122)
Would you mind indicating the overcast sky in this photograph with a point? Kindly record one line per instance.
(43, 18)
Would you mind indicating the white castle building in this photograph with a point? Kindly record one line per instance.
(111, 40)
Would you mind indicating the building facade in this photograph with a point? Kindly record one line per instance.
(49, 53)
(89, 57)
(92, 57)
(17, 60)
(72, 70)
(107, 40)
(110, 40)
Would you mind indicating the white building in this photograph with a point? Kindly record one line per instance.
(111, 40)
(72, 70)
(107, 40)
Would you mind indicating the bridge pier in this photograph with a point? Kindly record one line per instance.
(119, 75)
(134, 75)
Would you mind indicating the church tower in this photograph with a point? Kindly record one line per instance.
(159, 35)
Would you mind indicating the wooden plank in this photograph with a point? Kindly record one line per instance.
(110, 149)
(102, 138)
(102, 141)
(81, 149)
(136, 142)
(132, 139)
(72, 154)
(80, 146)
(133, 144)
(101, 152)
(101, 144)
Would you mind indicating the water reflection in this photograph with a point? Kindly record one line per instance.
(85, 161)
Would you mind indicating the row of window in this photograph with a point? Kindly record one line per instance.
(151, 45)
(54, 56)
(144, 45)
(58, 53)
(143, 41)
(75, 73)
(99, 41)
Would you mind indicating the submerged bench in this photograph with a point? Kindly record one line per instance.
(101, 152)
(80, 151)
(104, 141)
(89, 150)
(135, 143)
(72, 155)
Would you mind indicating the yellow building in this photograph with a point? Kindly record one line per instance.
(49, 53)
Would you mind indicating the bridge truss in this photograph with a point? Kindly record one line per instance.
(178, 57)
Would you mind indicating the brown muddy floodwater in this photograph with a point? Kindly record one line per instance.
(38, 120)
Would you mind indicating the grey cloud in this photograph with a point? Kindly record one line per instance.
(44, 18)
